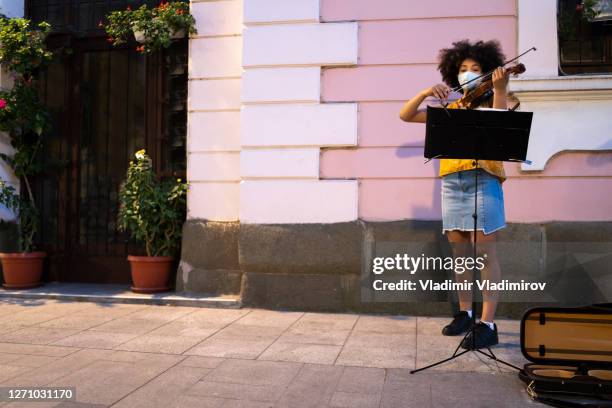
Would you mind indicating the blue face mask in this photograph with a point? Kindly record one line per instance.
(466, 76)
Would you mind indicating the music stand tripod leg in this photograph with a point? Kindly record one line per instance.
(472, 330)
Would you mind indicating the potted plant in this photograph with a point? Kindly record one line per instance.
(153, 211)
(154, 28)
(25, 119)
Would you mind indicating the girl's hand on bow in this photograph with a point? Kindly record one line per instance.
(500, 79)
(439, 91)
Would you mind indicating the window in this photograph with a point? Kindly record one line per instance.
(584, 30)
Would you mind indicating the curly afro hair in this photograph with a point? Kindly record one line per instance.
(488, 54)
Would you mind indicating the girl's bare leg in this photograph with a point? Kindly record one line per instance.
(486, 247)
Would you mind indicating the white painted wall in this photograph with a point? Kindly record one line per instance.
(284, 123)
(213, 122)
(6, 173)
(11, 8)
(570, 112)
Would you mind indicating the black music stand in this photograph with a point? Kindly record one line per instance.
(501, 135)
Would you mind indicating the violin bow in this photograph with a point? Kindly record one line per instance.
(491, 72)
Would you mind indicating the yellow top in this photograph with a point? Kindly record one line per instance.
(494, 167)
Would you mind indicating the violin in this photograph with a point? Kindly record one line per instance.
(483, 91)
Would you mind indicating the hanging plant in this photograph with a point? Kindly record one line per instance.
(154, 28)
(22, 45)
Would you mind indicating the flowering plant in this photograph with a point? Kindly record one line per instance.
(22, 46)
(24, 118)
(152, 210)
(154, 27)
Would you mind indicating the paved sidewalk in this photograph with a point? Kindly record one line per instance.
(127, 355)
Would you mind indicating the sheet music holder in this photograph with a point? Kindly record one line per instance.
(488, 134)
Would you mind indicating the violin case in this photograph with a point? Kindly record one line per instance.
(570, 354)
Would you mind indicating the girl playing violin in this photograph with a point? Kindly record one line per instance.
(459, 64)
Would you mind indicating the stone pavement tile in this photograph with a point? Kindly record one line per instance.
(314, 335)
(77, 321)
(187, 329)
(248, 332)
(29, 317)
(8, 371)
(6, 358)
(35, 349)
(386, 324)
(431, 325)
(31, 360)
(397, 340)
(355, 400)
(9, 327)
(57, 369)
(33, 404)
(145, 359)
(254, 372)
(201, 361)
(373, 349)
(95, 339)
(197, 401)
(164, 389)
(113, 310)
(312, 387)
(213, 318)
(377, 356)
(249, 392)
(62, 306)
(303, 353)
(230, 348)
(36, 335)
(452, 389)
(270, 318)
(159, 344)
(246, 404)
(164, 313)
(130, 325)
(362, 380)
(106, 382)
(327, 321)
(10, 306)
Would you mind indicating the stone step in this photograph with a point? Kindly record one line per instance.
(114, 293)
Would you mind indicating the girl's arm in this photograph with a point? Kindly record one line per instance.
(410, 112)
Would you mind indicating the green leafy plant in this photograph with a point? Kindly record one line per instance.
(24, 118)
(27, 214)
(153, 211)
(570, 14)
(156, 25)
(22, 45)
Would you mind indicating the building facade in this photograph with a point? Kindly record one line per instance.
(300, 169)
(299, 165)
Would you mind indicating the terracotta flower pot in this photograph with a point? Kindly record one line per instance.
(150, 273)
(22, 270)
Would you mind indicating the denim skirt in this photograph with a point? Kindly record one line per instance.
(458, 191)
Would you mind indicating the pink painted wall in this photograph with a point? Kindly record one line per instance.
(398, 45)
